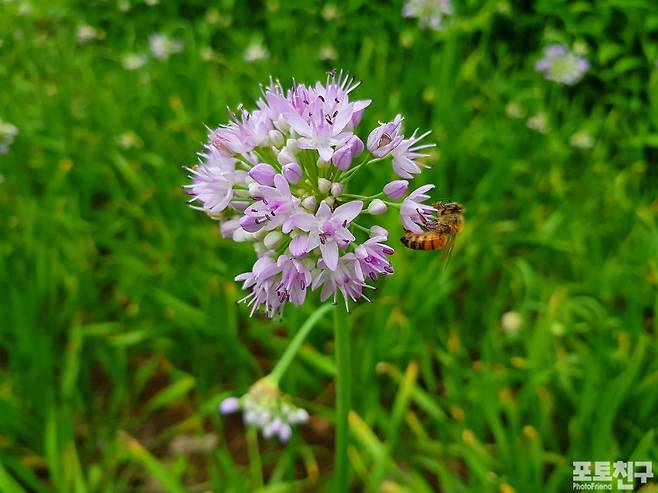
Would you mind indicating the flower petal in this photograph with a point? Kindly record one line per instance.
(347, 212)
(330, 254)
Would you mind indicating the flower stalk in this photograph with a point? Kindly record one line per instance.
(343, 394)
(290, 352)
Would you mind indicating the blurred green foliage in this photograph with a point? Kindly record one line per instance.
(119, 333)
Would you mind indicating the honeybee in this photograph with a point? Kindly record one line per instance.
(440, 230)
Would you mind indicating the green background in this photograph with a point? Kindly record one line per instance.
(119, 331)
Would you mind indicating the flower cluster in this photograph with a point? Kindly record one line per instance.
(265, 408)
(277, 177)
(8, 133)
(561, 65)
(430, 13)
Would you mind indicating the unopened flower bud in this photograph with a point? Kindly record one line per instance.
(276, 138)
(263, 174)
(385, 138)
(356, 145)
(283, 124)
(324, 185)
(240, 235)
(229, 405)
(292, 146)
(285, 157)
(337, 189)
(254, 189)
(292, 173)
(342, 158)
(396, 189)
(377, 207)
(309, 203)
(330, 201)
(321, 164)
(227, 228)
(272, 239)
(378, 231)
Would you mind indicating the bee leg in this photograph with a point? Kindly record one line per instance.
(423, 219)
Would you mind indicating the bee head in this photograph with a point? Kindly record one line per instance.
(449, 208)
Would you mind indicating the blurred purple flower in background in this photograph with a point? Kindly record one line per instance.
(430, 13)
(562, 65)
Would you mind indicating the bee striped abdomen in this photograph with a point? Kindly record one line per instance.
(424, 241)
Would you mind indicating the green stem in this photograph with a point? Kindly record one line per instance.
(362, 228)
(290, 352)
(254, 457)
(342, 350)
(347, 175)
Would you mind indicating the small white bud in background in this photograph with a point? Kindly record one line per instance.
(272, 239)
(309, 203)
(511, 322)
(337, 189)
(276, 138)
(254, 188)
(330, 201)
(322, 164)
(324, 185)
(377, 207)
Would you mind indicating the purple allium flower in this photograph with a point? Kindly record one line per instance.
(243, 133)
(278, 177)
(561, 65)
(264, 282)
(430, 13)
(396, 189)
(405, 156)
(385, 137)
(372, 255)
(347, 278)
(265, 408)
(322, 131)
(327, 230)
(413, 208)
(213, 182)
(274, 205)
(295, 278)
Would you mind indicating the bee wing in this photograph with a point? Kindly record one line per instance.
(447, 249)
